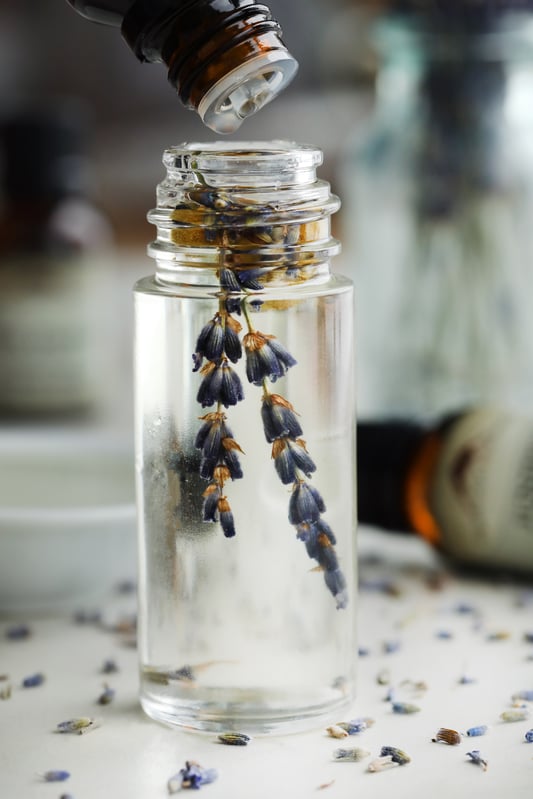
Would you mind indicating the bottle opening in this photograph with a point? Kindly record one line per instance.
(246, 90)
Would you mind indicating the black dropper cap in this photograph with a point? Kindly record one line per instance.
(385, 452)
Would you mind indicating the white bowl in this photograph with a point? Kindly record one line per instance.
(67, 518)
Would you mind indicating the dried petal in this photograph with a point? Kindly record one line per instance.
(334, 731)
(76, 725)
(305, 504)
(210, 343)
(191, 776)
(515, 715)
(226, 517)
(290, 458)
(474, 732)
(220, 384)
(447, 736)
(336, 583)
(56, 775)
(265, 358)
(381, 764)
(279, 418)
(354, 755)
(234, 738)
(33, 681)
(232, 342)
(353, 727)
(398, 755)
(475, 757)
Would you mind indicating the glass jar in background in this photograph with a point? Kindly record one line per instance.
(245, 445)
(438, 213)
(52, 239)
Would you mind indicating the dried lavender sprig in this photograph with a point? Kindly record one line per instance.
(218, 342)
(267, 360)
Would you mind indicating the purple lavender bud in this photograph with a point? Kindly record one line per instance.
(305, 504)
(279, 418)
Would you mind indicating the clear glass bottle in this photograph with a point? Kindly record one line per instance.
(245, 445)
(225, 58)
(437, 204)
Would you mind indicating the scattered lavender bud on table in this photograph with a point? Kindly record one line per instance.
(353, 755)
(353, 727)
(466, 680)
(404, 708)
(234, 738)
(499, 635)
(56, 775)
(476, 759)
(447, 736)
(381, 764)
(390, 647)
(334, 731)
(33, 680)
(383, 677)
(397, 755)
(107, 696)
(192, 776)
(474, 732)
(525, 696)
(18, 632)
(514, 715)
(78, 725)
(5, 692)
(529, 736)
(109, 666)
(87, 617)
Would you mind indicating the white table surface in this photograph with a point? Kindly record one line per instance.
(128, 756)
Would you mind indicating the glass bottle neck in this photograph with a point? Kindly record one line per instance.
(255, 210)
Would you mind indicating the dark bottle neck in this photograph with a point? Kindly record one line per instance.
(225, 58)
(386, 452)
(207, 44)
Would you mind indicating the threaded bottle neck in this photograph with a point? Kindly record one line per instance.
(243, 206)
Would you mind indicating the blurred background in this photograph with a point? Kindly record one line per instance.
(48, 51)
(127, 114)
(83, 129)
(424, 113)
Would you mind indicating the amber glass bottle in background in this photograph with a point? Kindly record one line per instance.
(465, 484)
(51, 242)
(225, 58)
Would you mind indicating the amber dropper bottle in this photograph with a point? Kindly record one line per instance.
(465, 484)
(225, 58)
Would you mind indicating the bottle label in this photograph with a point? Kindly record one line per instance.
(482, 491)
